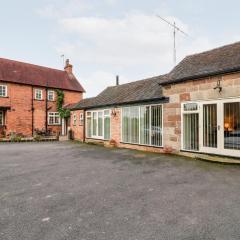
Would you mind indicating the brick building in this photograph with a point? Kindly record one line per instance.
(28, 97)
(191, 110)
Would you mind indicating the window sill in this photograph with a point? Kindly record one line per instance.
(99, 139)
(142, 145)
(38, 99)
(4, 97)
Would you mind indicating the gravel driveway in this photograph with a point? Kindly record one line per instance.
(84, 192)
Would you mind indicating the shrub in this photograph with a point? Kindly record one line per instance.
(37, 138)
(15, 138)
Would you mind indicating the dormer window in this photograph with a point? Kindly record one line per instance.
(3, 90)
(38, 94)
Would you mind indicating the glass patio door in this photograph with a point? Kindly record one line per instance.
(232, 126)
(220, 127)
(210, 127)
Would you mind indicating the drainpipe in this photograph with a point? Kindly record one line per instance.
(84, 129)
(32, 111)
(46, 109)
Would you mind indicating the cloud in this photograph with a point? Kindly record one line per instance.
(98, 81)
(137, 44)
(60, 8)
(134, 40)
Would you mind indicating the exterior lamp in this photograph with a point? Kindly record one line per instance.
(219, 87)
(114, 112)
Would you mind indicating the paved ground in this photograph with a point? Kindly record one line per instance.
(73, 191)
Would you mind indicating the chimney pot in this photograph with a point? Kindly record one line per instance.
(117, 80)
(68, 67)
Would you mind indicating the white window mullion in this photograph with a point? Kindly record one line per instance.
(139, 125)
(150, 126)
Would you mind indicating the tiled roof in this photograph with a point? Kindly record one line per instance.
(25, 73)
(143, 90)
(221, 60)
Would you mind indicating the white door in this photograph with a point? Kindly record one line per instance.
(220, 127)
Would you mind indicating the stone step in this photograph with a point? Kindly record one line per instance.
(217, 159)
(63, 138)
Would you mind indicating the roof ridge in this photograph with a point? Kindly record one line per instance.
(213, 49)
(134, 82)
(31, 64)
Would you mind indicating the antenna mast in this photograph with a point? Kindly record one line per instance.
(175, 29)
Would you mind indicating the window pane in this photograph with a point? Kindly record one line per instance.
(106, 112)
(232, 125)
(125, 125)
(107, 128)
(136, 120)
(89, 125)
(156, 125)
(100, 124)
(134, 126)
(3, 91)
(145, 125)
(191, 131)
(190, 107)
(94, 131)
(210, 125)
(50, 95)
(1, 119)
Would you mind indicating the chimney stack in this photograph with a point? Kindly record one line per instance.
(68, 67)
(117, 80)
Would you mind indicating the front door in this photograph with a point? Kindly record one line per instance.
(220, 127)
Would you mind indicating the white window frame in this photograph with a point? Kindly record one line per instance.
(220, 150)
(55, 115)
(150, 120)
(183, 112)
(6, 90)
(49, 92)
(38, 91)
(103, 119)
(74, 119)
(81, 119)
(1, 118)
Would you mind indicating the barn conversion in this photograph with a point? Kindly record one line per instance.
(195, 108)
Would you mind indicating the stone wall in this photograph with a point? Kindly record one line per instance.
(197, 90)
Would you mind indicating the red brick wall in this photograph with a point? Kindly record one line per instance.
(19, 118)
(78, 129)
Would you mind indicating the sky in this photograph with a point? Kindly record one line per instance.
(105, 38)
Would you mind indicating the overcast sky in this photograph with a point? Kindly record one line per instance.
(103, 38)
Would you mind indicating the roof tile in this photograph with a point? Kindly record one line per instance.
(25, 73)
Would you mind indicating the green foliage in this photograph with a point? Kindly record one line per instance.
(37, 138)
(15, 138)
(64, 113)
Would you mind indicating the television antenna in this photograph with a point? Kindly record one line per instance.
(175, 29)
